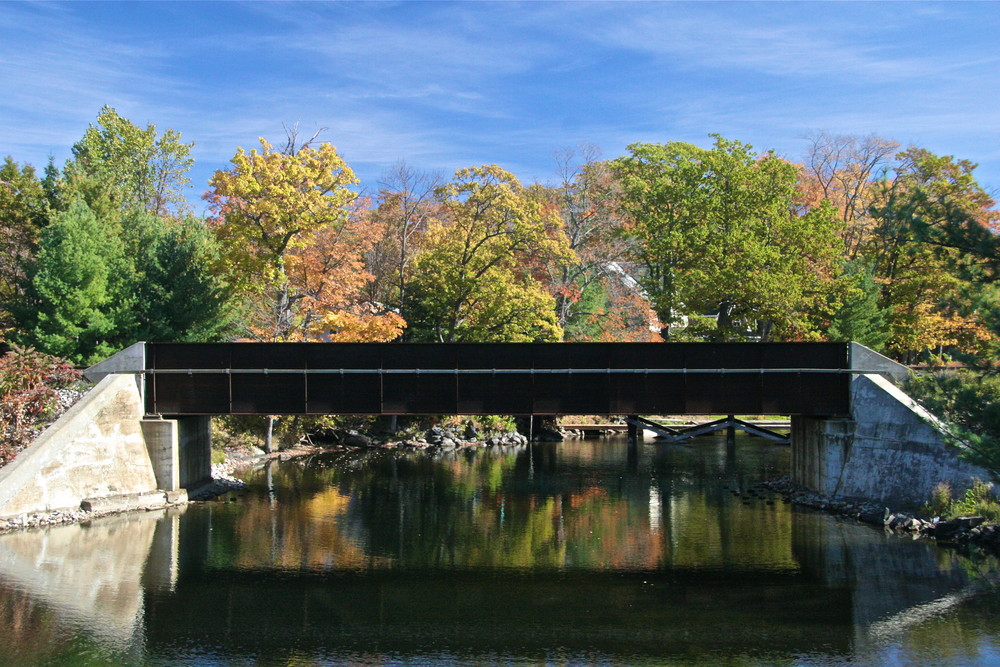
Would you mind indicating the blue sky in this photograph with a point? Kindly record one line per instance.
(449, 85)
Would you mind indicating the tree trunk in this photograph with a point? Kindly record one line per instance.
(269, 435)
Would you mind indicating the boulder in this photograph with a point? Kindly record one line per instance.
(951, 529)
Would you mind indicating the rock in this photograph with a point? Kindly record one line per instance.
(357, 440)
(548, 435)
(953, 528)
(471, 433)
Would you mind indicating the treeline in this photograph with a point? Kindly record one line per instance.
(864, 239)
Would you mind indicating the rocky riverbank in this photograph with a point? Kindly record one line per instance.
(965, 532)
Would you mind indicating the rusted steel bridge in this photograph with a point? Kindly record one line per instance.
(497, 378)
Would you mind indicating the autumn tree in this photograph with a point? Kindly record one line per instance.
(594, 299)
(473, 280)
(847, 170)
(329, 278)
(719, 231)
(290, 248)
(405, 206)
(925, 281)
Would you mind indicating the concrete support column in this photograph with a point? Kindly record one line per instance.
(820, 449)
(162, 444)
(195, 450)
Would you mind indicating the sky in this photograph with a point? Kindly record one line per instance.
(447, 85)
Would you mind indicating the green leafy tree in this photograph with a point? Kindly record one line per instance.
(719, 231)
(119, 166)
(473, 280)
(23, 212)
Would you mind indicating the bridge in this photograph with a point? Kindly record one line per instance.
(496, 378)
(145, 428)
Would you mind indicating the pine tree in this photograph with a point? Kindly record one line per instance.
(860, 318)
(69, 312)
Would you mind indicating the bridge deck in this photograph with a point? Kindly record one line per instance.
(497, 378)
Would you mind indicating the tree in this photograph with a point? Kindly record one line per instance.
(860, 318)
(931, 205)
(719, 231)
(293, 248)
(846, 171)
(328, 278)
(69, 311)
(268, 205)
(177, 297)
(119, 166)
(23, 212)
(586, 200)
(406, 205)
(473, 279)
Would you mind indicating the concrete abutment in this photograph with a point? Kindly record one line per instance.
(889, 450)
(104, 454)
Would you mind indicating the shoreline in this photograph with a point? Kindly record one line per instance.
(964, 533)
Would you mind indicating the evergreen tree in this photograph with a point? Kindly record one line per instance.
(860, 318)
(69, 310)
(176, 296)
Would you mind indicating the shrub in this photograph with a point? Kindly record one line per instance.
(940, 502)
(33, 390)
(977, 501)
(969, 403)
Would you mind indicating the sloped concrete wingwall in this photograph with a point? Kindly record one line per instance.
(891, 450)
(95, 450)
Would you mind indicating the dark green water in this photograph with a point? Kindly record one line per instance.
(571, 554)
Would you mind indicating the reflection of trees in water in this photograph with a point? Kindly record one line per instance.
(548, 506)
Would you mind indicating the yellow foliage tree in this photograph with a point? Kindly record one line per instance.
(473, 280)
(292, 247)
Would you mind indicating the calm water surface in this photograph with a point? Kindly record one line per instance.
(573, 554)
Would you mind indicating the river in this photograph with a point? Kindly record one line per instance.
(579, 553)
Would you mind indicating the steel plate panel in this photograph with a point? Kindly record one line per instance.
(350, 394)
(272, 394)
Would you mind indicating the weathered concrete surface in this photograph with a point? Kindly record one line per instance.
(130, 360)
(864, 358)
(891, 450)
(162, 445)
(95, 450)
